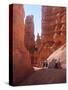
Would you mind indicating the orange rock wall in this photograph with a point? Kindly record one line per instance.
(21, 57)
(29, 35)
(53, 31)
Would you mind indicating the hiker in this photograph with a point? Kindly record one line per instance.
(52, 63)
(58, 64)
(45, 64)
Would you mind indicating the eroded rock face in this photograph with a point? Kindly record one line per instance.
(54, 26)
(21, 57)
(53, 31)
(29, 36)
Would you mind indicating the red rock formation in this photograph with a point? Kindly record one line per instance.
(29, 36)
(53, 25)
(60, 29)
(21, 59)
(53, 31)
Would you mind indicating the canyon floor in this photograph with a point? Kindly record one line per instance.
(46, 76)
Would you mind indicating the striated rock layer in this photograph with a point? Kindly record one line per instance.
(21, 58)
(53, 31)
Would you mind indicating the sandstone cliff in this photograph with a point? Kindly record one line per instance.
(21, 58)
(29, 36)
(53, 32)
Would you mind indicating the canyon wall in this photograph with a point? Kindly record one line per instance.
(21, 57)
(53, 31)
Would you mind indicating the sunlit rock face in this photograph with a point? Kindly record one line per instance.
(54, 25)
(53, 31)
(29, 36)
(21, 58)
(58, 55)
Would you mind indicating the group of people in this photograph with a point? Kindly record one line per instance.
(53, 64)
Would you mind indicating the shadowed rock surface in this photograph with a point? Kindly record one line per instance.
(21, 57)
(29, 38)
(46, 76)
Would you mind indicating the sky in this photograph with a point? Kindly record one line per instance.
(34, 10)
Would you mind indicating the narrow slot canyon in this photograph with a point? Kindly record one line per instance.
(41, 55)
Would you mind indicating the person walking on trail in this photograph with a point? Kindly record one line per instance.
(58, 64)
(45, 64)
